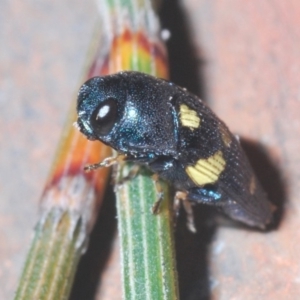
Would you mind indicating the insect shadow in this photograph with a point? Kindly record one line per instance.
(100, 245)
(269, 177)
(184, 65)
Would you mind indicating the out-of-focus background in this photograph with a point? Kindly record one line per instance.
(242, 57)
(43, 50)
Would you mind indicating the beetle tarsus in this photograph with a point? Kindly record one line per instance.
(181, 197)
(107, 162)
(159, 194)
(156, 205)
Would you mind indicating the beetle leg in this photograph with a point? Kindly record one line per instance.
(159, 194)
(176, 206)
(107, 162)
(182, 197)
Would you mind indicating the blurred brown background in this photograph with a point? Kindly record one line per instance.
(43, 50)
(242, 57)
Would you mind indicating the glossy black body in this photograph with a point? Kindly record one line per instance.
(147, 126)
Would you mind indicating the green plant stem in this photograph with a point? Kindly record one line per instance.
(147, 242)
(147, 246)
(52, 259)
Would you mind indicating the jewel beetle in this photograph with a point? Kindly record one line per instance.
(153, 122)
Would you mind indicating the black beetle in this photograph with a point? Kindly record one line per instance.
(156, 123)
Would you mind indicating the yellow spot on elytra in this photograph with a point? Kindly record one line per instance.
(225, 135)
(189, 117)
(207, 170)
(252, 185)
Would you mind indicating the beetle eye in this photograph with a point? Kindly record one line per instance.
(104, 117)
